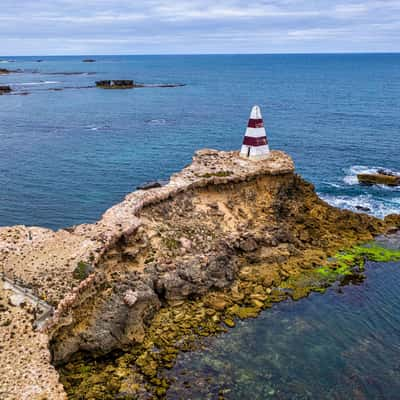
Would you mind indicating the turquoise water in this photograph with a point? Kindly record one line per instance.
(344, 344)
(66, 156)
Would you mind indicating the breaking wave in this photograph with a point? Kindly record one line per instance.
(36, 83)
(156, 122)
(365, 203)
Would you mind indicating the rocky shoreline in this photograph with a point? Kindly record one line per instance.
(172, 263)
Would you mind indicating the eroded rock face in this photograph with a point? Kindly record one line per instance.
(220, 218)
(120, 311)
(199, 241)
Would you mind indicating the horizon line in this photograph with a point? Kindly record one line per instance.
(201, 54)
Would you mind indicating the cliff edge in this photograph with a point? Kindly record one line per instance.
(217, 219)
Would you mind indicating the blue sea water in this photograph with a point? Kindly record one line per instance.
(66, 156)
(335, 346)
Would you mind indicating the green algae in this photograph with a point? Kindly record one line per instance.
(177, 328)
(218, 174)
(344, 262)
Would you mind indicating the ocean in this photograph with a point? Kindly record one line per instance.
(69, 151)
(67, 155)
(343, 344)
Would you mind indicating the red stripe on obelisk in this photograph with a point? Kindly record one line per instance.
(255, 141)
(255, 123)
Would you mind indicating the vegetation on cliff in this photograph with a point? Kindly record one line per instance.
(289, 244)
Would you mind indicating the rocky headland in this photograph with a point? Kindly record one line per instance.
(218, 242)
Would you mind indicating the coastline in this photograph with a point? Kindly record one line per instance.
(272, 217)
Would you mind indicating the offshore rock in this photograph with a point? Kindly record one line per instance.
(4, 89)
(116, 84)
(380, 178)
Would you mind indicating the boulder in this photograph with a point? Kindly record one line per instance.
(152, 185)
(362, 208)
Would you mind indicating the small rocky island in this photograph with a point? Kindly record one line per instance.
(116, 84)
(130, 84)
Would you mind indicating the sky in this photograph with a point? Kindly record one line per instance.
(58, 27)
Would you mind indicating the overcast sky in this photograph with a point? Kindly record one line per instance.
(41, 27)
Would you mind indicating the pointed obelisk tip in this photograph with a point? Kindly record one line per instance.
(255, 144)
(255, 113)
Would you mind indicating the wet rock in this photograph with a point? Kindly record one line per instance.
(116, 84)
(5, 89)
(88, 60)
(217, 301)
(363, 208)
(152, 185)
(379, 178)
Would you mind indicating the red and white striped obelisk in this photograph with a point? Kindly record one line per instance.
(255, 143)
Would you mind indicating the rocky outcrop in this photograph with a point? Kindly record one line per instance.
(197, 240)
(219, 219)
(129, 84)
(5, 89)
(116, 84)
(380, 178)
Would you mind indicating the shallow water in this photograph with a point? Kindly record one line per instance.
(344, 344)
(66, 156)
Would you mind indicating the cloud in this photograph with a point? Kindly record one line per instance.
(192, 26)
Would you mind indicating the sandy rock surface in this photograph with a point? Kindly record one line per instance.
(25, 369)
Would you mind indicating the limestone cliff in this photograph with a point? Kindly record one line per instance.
(184, 243)
(220, 218)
